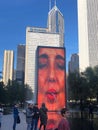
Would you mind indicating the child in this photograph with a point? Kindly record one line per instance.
(64, 124)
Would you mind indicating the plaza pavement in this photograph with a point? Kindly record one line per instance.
(7, 122)
(76, 123)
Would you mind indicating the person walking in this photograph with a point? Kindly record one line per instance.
(1, 114)
(29, 114)
(35, 117)
(64, 124)
(90, 111)
(43, 116)
(15, 115)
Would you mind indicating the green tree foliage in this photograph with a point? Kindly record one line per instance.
(91, 75)
(2, 93)
(84, 85)
(77, 86)
(14, 92)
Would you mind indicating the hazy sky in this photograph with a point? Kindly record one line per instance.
(16, 15)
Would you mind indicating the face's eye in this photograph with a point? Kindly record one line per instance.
(59, 62)
(60, 66)
(43, 63)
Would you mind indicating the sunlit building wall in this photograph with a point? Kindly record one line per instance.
(88, 33)
(8, 66)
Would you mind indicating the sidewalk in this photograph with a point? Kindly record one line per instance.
(7, 122)
(75, 123)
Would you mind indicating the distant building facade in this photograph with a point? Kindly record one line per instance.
(88, 33)
(73, 65)
(20, 68)
(8, 66)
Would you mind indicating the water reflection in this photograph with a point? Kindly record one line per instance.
(91, 125)
(53, 120)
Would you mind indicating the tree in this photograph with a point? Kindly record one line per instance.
(2, 93)
(18, 93)
(77, 86)
(92, 77)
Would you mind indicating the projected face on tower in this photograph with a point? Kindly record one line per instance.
(51, 77)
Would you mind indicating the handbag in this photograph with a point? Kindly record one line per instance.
(18, 119)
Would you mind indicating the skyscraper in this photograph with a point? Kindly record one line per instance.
(88, 33)
(20, 68)
(73, 65)
(56, 23)
(35, 37)
(8, 66)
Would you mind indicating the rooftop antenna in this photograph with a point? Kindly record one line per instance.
(49, 5)
(55, 2)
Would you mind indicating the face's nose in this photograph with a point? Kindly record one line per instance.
(52, 76)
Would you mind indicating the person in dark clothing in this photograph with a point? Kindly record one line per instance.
(35, 117)
(91, 111)
(43, 116)
(15, 115)
(1, 114)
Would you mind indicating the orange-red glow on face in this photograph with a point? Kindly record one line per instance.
(51, 78)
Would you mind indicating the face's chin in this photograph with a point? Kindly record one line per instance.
(53, 96)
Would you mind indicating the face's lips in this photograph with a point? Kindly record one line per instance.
(51, 95)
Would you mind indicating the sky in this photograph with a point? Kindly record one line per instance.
(16, 15)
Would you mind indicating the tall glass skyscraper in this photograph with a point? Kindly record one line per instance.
(88, 33)
(20, 68)
(55, 23)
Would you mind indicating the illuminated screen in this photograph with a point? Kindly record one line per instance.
(51, 77)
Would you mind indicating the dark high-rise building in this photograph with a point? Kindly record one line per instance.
(20, 68)
(73, 65)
